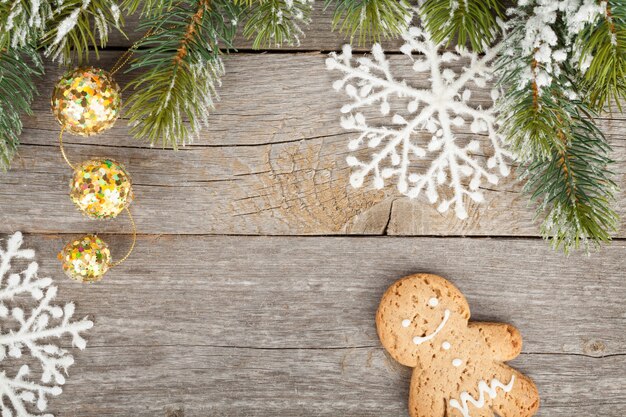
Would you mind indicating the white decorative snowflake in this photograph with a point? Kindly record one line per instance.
(28, 330)
(433, 116)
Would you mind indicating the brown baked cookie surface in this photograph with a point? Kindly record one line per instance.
(459, 370)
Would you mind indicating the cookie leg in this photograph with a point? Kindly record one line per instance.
(521, 401)
(425, 398)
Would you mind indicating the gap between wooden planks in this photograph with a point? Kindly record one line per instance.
(262, 326)
(272, 162)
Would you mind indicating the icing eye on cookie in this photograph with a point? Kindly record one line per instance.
(433, 302)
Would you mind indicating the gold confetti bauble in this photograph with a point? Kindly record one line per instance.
(101, 188)
(86, 259)
(86, 101)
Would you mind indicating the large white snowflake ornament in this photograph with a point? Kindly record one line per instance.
(429, 126)
(29, 323)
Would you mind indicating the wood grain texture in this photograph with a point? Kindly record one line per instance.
(200, 323)
(265, 326)
(271, 162)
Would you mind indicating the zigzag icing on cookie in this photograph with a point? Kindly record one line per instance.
(482, 389)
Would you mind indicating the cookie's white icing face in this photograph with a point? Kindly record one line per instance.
(433, 303)
(417, 315)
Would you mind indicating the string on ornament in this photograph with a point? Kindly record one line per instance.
(85, 102)
(88, 259)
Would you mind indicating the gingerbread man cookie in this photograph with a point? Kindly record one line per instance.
(459, 368)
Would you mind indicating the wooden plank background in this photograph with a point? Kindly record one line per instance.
(258, 270)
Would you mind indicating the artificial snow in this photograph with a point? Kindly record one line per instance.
(66, 26)
(538, 39)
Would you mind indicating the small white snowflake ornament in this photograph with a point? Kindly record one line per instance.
(30, 324)
(428, 128)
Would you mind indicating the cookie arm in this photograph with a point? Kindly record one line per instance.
(504, 340)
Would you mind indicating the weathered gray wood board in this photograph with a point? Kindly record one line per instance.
(272, 161)
(208, 319)
(263, 326)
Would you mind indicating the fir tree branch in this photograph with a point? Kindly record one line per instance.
(574, 188)
(22, 22)
(464, 21)
(552, 131)
(181, 65)
(18, 68)
(77, 25)
(275, 22)
(527, 116)
(371, 19)
(603, 56)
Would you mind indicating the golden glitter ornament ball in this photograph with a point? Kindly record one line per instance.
(101, 189)
(86, 101)
(86, 259)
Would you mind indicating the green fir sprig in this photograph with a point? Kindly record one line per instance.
(364, 20)
(178, 69)
(275, 22)
(19, 69)
(574, 187)
(528, 118)
(78, 26)
(603, 50)
(473, 22)
(21, 25)
(548, 121)
(145, 7)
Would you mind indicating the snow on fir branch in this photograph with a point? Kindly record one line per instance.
(18, 70)
(276, 22)
(23, 22)
(559, 70)
(30, 324)
(175, 86)
(428, 128)
(575, 32)
(63, 29)
(371, 20)
(76, 24)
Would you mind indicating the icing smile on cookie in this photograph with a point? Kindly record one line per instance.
(421, 339)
